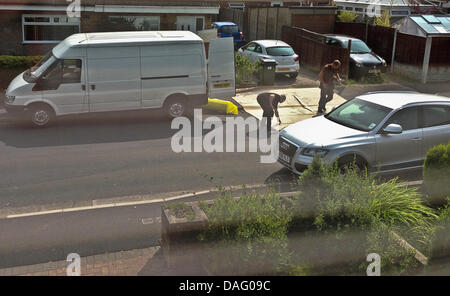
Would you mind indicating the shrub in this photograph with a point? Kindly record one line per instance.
(383, 20)
(10, 62)
(347, 17)
(441, 238)
(436, 172)
(245, 69)
(358, 215)
(246, 236)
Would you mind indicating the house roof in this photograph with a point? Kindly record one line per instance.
(433, 24)
(377, 2)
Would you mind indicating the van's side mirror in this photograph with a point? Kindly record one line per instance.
(393, 129)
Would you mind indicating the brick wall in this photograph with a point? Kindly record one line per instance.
(11, 32)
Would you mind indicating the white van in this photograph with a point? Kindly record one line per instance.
(97, 72)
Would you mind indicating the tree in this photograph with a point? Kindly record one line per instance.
(383, 20)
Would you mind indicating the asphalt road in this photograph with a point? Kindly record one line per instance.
(111, 155)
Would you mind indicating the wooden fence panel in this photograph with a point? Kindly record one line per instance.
(410, 49)
(313, 52)
(440, 51)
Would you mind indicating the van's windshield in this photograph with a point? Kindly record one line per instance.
(34, 72)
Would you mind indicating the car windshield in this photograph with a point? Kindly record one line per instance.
(229, 29)
(37, 70)
(359, 114)
(358, 47)
(280, 51)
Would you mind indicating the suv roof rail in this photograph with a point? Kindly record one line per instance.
(391, 91)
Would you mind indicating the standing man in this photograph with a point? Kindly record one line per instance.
(327, 76)
(269, 103)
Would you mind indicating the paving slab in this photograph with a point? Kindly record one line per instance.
(291, 110)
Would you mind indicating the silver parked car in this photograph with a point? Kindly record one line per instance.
(287, 60)
(384, 132)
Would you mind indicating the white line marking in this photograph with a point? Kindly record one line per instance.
(131, 203)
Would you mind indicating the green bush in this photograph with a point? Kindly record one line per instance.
(245, 69)
(436, 172)
(347, 17)
(246, 236)
(25, 62)
(358, 215)
(441, 238)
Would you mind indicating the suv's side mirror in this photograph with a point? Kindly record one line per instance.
(393, 129)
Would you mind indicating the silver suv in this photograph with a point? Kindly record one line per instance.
(384, 131)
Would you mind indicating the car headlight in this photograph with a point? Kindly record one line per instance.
(359, 64)
(10, 99)
(384, 63)
(314, 151)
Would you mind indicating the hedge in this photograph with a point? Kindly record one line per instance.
(436, 172)
(11, 62)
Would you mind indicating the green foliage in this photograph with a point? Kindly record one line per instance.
(347, 17)
(358, 215)
(180, 210)
(436, 172)
(11, 62)
(248, 235)
(245, 69)
(441, 238)
(383, 20)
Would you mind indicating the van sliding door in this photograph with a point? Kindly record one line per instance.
(114, 78)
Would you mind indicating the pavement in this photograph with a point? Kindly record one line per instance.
(291, 111)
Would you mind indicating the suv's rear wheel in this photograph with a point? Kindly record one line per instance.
(41, 115)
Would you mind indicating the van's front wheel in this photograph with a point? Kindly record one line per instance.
(41, 115)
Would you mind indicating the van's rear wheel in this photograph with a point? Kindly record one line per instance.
(176, 107)
(41, 115)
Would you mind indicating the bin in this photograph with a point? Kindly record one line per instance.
(267, 74)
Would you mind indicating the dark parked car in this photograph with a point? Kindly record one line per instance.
(363, 61)
(229, 29)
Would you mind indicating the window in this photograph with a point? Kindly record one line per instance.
(349, 8)
(436, 115)
(359, 9)
(199, 24)
(359, 114)
(340, 8)
(280, 51)
(276, 4)
(407, 118)
(48, 28)
(400, 12)
(258, 49)
(71, 71)
(134, 23)
(333, 42)
(229, 29)
(251, 47)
